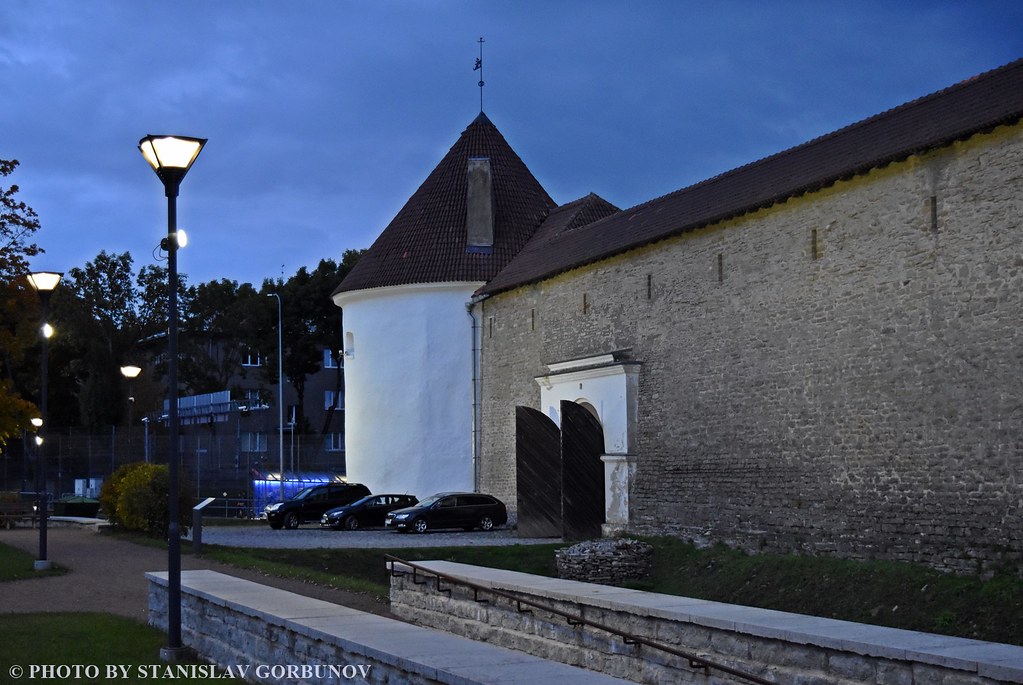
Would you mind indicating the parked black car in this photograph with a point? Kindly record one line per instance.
(366, 512)
(450, 510)
(309, 504)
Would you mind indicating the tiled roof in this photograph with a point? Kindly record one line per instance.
(577, 215)
(973, 106)
(426, 241)
(572, 216)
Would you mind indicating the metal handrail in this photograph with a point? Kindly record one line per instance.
(695, 662)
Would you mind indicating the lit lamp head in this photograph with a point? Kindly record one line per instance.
(44, 283)
(180, 240)
(130, 371)
(171, 157)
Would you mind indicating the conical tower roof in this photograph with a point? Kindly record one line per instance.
(427, 241)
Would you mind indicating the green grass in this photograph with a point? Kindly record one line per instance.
(69, 639)
(881, 593)
(893, 594)
(364, 570)
(16, 564)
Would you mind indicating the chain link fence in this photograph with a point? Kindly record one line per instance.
(231, 467)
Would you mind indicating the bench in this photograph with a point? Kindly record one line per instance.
(11, 513)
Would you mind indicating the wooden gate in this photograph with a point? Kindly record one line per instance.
(537, 474)
(582, 473)
(559, 475)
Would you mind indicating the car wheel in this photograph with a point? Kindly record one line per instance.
(420, 525)
(486, 523)
(276, 525)
(291, 520)
(351, 523)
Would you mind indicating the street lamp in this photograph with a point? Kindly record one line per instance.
(131, 373)
(44, 282)
(280, 389)
(171, 157)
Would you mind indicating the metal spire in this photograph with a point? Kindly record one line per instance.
(479, 66)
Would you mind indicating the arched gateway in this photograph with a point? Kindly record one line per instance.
(573, 460)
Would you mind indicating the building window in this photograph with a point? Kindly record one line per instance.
(334, 442)
(329, 362)
(253, 442)
(329, 397)
(250, 358)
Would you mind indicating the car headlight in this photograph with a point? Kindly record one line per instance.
(273, 507)
(401, 517)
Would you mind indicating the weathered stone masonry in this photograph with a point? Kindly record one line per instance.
(841, 373)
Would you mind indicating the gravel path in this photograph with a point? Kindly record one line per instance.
(107, 574)
(310, 536)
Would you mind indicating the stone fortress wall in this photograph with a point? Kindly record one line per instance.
(841, 373)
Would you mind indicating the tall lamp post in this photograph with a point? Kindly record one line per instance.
(131, 373)
(171, 157)
(44, 282)
(280, 389)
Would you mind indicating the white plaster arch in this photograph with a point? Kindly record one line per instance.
(588, 406)
(608, 387)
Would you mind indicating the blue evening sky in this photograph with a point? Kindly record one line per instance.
(324, 116)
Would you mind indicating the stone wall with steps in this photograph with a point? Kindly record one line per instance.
(776, 646)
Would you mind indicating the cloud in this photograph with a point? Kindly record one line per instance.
(323, 117)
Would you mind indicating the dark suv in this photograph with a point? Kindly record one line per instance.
(310, 503)
(466, 510)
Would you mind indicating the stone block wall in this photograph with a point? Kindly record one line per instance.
(838, 374)
(274, 637)
(769, 645)
(269, 644)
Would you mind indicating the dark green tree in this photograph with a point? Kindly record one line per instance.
(312, 323)
(111, 317)
(222, 321)
(327, 323)
(18, 306)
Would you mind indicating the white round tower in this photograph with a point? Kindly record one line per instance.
(408, 387)
(408, 336)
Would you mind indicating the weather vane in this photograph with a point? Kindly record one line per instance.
(479, 66)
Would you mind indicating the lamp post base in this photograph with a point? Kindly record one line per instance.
(175, 655)
(42, 565)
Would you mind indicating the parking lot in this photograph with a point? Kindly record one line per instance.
(311, 536)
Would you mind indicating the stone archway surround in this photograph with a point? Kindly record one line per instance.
(610, 384)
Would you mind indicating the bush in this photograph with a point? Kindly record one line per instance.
(136, 497)
(110, 491)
